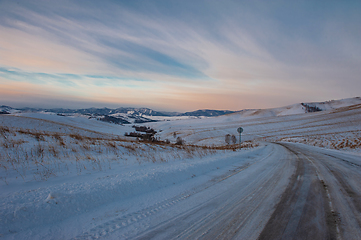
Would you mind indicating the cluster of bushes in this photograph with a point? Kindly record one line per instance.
(230, 138)
(143, 132)
(144, 129)
(148, 134)
(309, 108)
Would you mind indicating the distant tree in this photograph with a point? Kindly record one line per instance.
(227, 138)
(234, 139)
(179, 141)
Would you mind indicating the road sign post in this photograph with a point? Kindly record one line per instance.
(240, 130)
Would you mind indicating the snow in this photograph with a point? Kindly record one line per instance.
(30, 204)
(334, 104)
(78, 121)
(74, 177)
(329, 128)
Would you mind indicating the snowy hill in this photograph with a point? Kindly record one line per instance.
(334, 104)
(7, 110)
(68, 176)
(337, 121)
(144, 115)
(299, 108)
(85, 118)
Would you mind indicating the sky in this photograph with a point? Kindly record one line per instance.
(178, 55)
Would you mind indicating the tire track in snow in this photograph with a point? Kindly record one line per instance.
(304, 205)
(136, 218)
(227, 221)
(344, 192)
(332, 202)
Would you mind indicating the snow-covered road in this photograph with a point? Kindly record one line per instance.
(276, 191)
(239, 200)
(322, 200)
(288, 191)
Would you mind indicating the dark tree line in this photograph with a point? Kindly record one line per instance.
(309, 108)
(143, 132)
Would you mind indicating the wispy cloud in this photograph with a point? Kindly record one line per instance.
(202, 48)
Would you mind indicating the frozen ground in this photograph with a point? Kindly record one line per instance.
(336, 128)
(77, 178)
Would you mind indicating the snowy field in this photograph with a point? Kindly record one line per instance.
(337, 127)
(79, 178)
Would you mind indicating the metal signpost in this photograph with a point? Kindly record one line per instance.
(240, 130)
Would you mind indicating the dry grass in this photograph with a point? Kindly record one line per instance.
(76, 136)
(112, 145)
(4, 130)
(342, 141)
(47, 154)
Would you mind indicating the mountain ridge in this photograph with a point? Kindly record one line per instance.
(142, 115)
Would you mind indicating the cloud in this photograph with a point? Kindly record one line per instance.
(202, 48)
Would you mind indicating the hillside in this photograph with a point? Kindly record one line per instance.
(337, 124)
(299, 108)
(74, 177)
(145, 115)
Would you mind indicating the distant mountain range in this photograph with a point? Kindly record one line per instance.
(207, 113)
(96, 111)
(129, 111)
(118, 115)
(143, 115)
